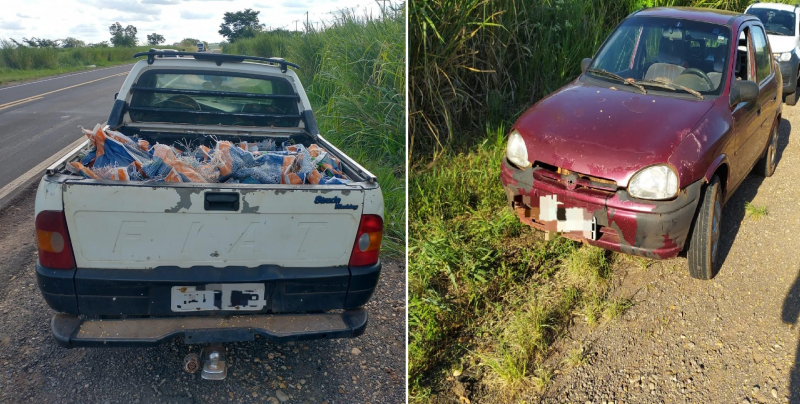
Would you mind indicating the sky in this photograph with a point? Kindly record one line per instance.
(88, 20)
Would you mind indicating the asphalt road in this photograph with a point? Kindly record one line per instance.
(40, 118)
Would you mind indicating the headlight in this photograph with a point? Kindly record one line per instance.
(783, 57)
(654, 182)
(516, 152)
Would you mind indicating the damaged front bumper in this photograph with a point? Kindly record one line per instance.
(654, 229)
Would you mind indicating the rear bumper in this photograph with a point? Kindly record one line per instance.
(72, 331)
(655, 229)
(120, 294)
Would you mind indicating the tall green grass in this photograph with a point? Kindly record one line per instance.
(354, 73)
(475, 62)
(486, 293)
(22, 62)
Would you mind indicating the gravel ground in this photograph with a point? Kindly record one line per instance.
(729, 340)
(368, 369)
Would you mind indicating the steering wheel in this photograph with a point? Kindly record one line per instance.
(699, 73)
(184, 102)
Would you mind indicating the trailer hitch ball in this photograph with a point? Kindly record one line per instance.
(191, 363)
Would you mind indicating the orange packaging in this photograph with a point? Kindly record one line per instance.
(85, 170)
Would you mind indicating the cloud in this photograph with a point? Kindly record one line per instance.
(128, 18)
(83, 29)
(124, 6)
(162, 2)
(262, 5)
(20, 15)
(11, 25)
(188, 15)
(294, 4)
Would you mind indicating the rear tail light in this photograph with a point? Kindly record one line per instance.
(52, 239)
(368, 241)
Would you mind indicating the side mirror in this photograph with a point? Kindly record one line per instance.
(743, 91)
(115, 95)
(585, 64)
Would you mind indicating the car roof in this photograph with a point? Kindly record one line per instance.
(709, 15)
(774, 6)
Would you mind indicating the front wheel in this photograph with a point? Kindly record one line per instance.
(704, 246)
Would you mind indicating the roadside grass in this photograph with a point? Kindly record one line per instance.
(354, 73)
(487, 294)
(755, 212)
(26, 63)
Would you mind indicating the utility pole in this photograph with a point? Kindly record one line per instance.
(307, 27)
(295, 24)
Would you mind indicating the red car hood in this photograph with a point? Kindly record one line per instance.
(607, 133)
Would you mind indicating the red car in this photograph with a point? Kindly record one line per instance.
(640, 153)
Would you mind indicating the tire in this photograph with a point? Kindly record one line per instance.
(766, 166)
(791, 99)
(704, 246)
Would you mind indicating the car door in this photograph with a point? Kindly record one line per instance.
(745, 117)
(767, 96)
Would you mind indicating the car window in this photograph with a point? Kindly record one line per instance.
(675, 52)
(214, 99)
(777, 22)
(618, 54)
(763, 62)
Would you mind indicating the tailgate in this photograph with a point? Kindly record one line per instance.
(151, 225)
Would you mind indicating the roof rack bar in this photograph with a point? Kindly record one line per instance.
(214, 93)
(189, 111)
(218, 58)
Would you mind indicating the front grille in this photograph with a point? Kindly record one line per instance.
(571, 178)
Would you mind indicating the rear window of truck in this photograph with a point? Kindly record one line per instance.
(214, 99)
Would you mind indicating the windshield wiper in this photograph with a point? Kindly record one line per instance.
(668, 86)
(631, 82)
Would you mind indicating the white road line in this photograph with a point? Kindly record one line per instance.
(61, 77)
(39, 169)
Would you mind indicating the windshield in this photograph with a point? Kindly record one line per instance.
(666, 54)
(214, 99)
(776, 22)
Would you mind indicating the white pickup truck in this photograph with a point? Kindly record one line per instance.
(136, 263)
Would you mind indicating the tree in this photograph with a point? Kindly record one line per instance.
(34, 42)
(123, 36)
(70, 42)
(155, 39)
(103, 44)
(188, 42)
(241, 24)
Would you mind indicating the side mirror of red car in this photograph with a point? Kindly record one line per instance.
(743, 91)
(585, 64)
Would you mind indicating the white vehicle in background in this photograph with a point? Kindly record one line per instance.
(138, 263)
(781, 23)
(201, 47)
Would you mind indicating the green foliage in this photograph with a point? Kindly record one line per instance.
(240, 24)
(155, 39)
(756, 212)
(354, 74)
(24, 62)
(123, 37)
(70, 42)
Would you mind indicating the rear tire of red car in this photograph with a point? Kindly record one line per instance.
(704, 245)
(766, 166)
